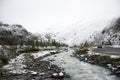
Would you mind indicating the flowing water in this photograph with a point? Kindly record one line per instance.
(79, 70)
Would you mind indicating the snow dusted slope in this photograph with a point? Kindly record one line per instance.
(45, 36)
(109, 35)
(12, 34)
(81, 31)
(15, 29)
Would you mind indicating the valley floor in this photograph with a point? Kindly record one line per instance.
(45, 64)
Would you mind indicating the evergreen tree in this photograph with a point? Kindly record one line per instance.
(86, 44)
(109, 42)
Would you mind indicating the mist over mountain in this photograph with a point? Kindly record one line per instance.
(107, 30)
(81, 31)
(110, 35)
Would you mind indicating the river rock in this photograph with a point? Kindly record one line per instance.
(109, 66)
(61, 74)
(58, 75)
(55, 75)
(52, 53)
(33, 72)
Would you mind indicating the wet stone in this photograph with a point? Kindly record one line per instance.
(37, 70)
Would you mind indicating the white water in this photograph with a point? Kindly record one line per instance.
(79, 70)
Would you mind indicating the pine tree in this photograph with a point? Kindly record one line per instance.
(109, 42)
(86, 44)
(37, 43)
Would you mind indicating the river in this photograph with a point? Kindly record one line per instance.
(79, 70)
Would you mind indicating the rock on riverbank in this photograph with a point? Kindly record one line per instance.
(36, 69)
(111, 62)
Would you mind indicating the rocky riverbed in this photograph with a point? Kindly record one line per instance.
(79, 70)
(53, 65)
(33, 69)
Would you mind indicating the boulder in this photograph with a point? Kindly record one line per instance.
(52, 53)
(61, 74)
(109, 66)
(58, 75)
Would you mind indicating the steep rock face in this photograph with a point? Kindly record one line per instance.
(13, 34)
(109, 35)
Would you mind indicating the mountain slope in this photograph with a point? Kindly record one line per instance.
(13, 34)
(109, 35)
(81, 31)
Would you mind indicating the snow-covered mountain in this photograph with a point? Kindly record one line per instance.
(109, 35)
(96, 31)
(15, 29)
(81, 31)
(13, 34)
(45, 36)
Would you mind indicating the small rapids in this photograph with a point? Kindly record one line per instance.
(79, 70)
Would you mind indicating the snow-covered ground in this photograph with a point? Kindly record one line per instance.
(16, 65)
(116, 46)
(79, 70)
(40, 54)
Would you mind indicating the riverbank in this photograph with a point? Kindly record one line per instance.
(53, 65)
(30, 66)
(111, 62)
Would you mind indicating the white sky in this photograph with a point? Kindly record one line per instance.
(40, 15)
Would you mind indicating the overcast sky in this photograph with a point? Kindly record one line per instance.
(41, 15)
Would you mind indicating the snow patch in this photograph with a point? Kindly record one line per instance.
(41, 54)
(16, 65)
(116, 46)
(114, 56)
